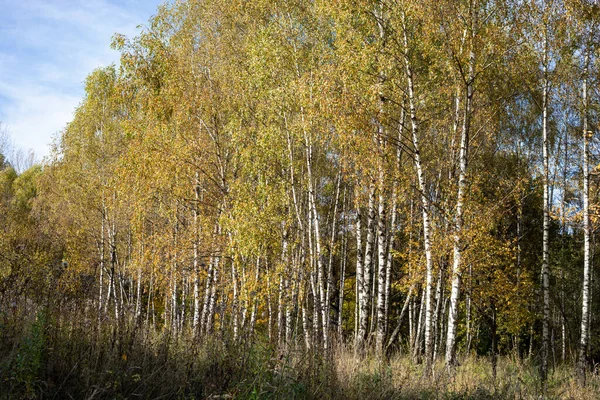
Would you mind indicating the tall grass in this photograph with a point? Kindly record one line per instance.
(51, 357)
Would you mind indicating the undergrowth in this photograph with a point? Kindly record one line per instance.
(55, 358)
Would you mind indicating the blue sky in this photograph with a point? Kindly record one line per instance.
(47, 47)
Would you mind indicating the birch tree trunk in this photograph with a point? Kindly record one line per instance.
(417, 345)
(205, 303)
(563, 321)
(424, 200)
(255, 299)
(392, 232)
(366, 287)
(138, 300)
(462, 187)
(269, 304)
(546, 234)
(360, 282)
(102, 264)
(196, 262)
(381, 266)
(583, 342)
(213, 295)
(235, 306)
(401, 317)
(343, 262)
(439, 294)
(381, 209)
(329, 276)
(305, 327)
(280, 315)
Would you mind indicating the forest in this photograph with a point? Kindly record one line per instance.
(353, 199)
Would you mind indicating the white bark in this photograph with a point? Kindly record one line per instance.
(318, 252)
(138, 300)
(367, 267)
(546, 233)
(235, 305)
(329, 276)
(381, 267)
(280, 314)
(462, 187)
(269, 304)
(381, 226)
(205, 303)
(392, 233)
(255, 299)
(585, 308)
(359, 279)
(102, 264)
(343, 261)
(424, 200)
(196, 262)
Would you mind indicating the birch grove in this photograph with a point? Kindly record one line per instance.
(382, 175)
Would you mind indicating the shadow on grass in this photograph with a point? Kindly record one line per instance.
(54, 358)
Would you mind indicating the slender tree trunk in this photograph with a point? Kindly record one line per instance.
(213, 295)
(360, 282)
(174, 298)
(305, 327)
(314, 284)
(205, 303)
(401, 317)
(583, 342)
(437, 320)
(462, 188)
(468, 314)
(418, 344)
(280, 315)
(293, 310)
(411, 325)
(425, 204)
(175, 275)
(182, 307)
(546, 210)
(235, 306)
(329, 276)
(563, 321)
(381, 265)
(289, 307)
(314, 217)
(381, 209)
(343, 262)
(367, 268)
(255, 299)
(494, 329)
(138, 300)
(196, 261)
(269, 303)
(102, 263)
(245, 302)
(149, 303)
(392, 233)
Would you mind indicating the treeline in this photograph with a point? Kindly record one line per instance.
(398, 175)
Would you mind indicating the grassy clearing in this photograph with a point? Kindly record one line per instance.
(50, 359)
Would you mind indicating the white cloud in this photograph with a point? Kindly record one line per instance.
(34, 114)
(47, 48)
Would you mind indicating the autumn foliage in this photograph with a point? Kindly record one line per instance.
(262, 194)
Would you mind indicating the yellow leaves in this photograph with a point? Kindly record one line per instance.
(118, 41)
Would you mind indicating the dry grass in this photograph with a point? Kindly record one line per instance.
(401, 378)
(51, 360)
